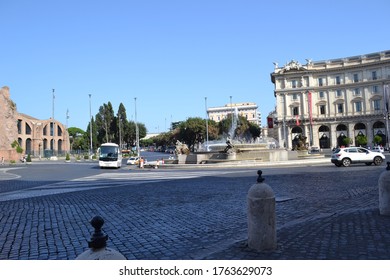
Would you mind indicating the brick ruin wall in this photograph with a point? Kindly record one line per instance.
(8, 127)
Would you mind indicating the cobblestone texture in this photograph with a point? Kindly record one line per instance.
(328, 213)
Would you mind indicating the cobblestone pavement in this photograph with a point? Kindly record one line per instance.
(323, 212)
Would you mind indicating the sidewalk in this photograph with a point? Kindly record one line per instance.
(357, 235)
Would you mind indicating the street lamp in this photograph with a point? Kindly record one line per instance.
(53, 126)
(231, 109)
(207, 125)
(136, 126)
(90, 126)
(120, 133)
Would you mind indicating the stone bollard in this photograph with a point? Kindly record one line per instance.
(261, 216)
(384, 192)
(97, 246)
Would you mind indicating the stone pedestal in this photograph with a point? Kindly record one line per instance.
(97, 245)
(384, 192)
(101, 254)
(261, 217)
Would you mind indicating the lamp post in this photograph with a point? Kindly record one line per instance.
(231, 109)
(53, 126)
(136, 125)
(207, 125)
(90, 127)
(67, 130)
(120, 132)
(387, 112)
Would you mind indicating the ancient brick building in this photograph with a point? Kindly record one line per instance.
(39, 138)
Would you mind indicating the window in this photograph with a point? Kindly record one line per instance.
(295, 111)
(374, 76)
(355, 78)
(358, 106)
(322, 94)
(377, 105)
(294, 96)
(340, 108)
(356, 91)
(19, 126)
(28, 129)
(320, 82)
(375, 89)
(294, 83)
(322, 109)
(307, 81)
(338, 93)
(338, 80)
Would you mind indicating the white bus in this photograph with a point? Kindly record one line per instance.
(110, 155)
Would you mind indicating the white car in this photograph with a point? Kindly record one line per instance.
(350, 155)
(133, 160)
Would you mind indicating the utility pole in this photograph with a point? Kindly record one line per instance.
(53, 126)
(207, 125)
(136, 126)
(90, 128)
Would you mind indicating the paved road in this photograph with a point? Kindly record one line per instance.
(188, 214)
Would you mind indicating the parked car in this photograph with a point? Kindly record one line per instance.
(378, 149)
(133, 160)
(350, 155)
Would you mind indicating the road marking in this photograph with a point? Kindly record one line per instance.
(105, 180)
(4, 175)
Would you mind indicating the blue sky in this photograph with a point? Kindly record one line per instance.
(170, 55)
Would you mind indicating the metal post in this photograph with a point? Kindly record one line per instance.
(120, 133)
(90, 127)
(53, 125)
(136, 126)
(67, 130)
(386, 109)
(231, 109)
(207, 125)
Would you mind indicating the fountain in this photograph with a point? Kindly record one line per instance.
(233, 149)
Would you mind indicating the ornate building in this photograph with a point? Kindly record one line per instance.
(333, 102)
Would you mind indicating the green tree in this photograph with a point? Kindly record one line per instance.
(254, 130)
(361, 140)
(16, 146)
(120, 124)
(76, 137)
(192, 132)
(87, 134)
(104, 119)
(130, 132)
(377, 139)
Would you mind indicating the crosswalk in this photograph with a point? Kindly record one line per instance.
(153, 176)
(106, 180)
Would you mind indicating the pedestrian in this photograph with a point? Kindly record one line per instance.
(2, 160)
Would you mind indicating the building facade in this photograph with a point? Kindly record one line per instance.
(39, 139)
(334, 102)
(248, 110)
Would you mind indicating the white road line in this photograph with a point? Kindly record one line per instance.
(4, 175)
(105, 180)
